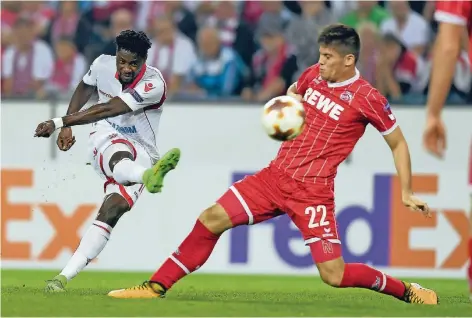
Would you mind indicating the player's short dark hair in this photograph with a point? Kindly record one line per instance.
(135, 42)
(343, 37)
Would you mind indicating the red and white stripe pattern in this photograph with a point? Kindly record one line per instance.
(243, 204)
(105, 227)
(110, 181)
(314, 156)
(180, 264)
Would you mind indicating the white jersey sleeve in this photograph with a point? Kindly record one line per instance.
(148, 92)
(90, 78)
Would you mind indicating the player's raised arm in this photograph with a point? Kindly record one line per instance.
(446, 52)
(452, 21)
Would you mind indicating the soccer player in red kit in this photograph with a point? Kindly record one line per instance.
(455, 20)
(339, 104)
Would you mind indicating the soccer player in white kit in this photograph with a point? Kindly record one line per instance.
(122, 142)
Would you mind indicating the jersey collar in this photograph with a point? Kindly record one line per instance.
(136, 80)
(346, 82)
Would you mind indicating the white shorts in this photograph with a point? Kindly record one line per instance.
(102, 136)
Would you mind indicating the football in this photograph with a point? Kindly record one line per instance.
(283, 118)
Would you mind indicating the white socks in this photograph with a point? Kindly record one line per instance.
(128, 171)
(90, 246)
(125, 171)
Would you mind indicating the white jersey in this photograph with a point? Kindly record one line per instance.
(145, 96)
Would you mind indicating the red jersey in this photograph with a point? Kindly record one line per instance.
(336, 117)
(456, 12)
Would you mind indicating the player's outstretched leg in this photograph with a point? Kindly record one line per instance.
(336, 273)
(153, 178)
(191, 255)
(93, 242)
(128, 171)
(250, 201)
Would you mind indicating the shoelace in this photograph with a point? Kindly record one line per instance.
(143, 286)
(414, 298)
(57, 281)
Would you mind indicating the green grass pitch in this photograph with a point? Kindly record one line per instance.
(218, 295)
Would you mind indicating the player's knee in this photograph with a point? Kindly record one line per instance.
(332, 277)
(113, 209)
(331, 273)
(216, 219)
(117, 157)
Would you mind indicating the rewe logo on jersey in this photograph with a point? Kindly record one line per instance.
(323, 103)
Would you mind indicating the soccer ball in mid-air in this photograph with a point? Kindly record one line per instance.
(283, 118)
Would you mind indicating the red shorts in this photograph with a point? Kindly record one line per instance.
(270, 193)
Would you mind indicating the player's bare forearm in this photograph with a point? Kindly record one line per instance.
(114, 107)
(81, 96)
(446, 51)
(401, 157)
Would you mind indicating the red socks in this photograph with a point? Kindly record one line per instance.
(191, 254)
(363, 276)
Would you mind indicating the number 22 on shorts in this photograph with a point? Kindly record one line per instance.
(314, 211)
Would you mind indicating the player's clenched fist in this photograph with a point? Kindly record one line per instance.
(65, 140)
(415, 204)
(45, 129)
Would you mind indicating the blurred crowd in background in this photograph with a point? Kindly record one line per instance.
(247, 50)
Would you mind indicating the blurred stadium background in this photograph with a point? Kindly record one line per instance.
(222, 61)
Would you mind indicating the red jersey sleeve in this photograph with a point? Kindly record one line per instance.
(378, 112)
(307, 75)
(454, 12)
